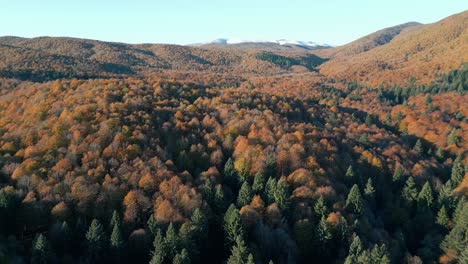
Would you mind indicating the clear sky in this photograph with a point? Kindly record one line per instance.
(192, 21)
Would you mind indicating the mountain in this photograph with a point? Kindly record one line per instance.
(416, 53)
(280, 45)
(58, 57)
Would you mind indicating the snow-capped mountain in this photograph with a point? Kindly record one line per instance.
(282, 42)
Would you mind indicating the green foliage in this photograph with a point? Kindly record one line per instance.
(425, 197)
(171, 242)
(259, 182)
(320, 207)
(270, 189)
(158, 253)
(453, 137)
(354, 201)
(399, 174)
(182, 257)
(455, 243)
(310, 61)
(409, 192)
(418, 148)
(369, 191)
(442, 218)
(238, 252)
(245, 194)
(40, 250)
(232, 224)
(115, 220)
(282, 194)
(230, 174)
(96, 239)
(116, 241)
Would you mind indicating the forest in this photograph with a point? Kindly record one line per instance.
(155, 170)
(251, 153)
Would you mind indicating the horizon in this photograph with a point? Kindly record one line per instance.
(122, 22)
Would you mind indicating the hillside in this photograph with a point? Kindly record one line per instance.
(52, 57)
(414, 55)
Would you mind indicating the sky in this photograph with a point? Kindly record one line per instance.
(333, 22)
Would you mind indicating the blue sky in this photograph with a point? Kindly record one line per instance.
(183, 21)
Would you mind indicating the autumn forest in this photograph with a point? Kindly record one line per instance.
(148, 153)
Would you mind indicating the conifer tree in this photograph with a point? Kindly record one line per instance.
(281, 194)
(259, 182)
(40, 250)
(232, 224)
(182, 257)
(95, 238)
(245, 194)
(425, 197)
(230, 174)
(418, 148)
(158, 253)
(409, 192)
(116, 241)
(171, 241)
(238, 252)
(354, 200)
(442, 217)
(320, 207)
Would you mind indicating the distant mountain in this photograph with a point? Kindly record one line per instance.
(404, 54)
(281, 44)
(45, 58)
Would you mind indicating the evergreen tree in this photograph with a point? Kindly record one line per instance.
(323, 237)
(440, 155)
(209, 190)
(95, 238)
(320, 207)
(418, 148)
(409, 192)
(199, 225)
(354, 200)
(158, 253)
(171, 241)
(230, 174)
(116, 241)
(220, 199)
(40, 250)
(453, 137)
(250, 259)
(238, 252)
(399, 174)
(442, 218)
(270, 169)
(232, 224)
(455, 243)
(350, 175)
(355, 249)
(457, 171)
(152, 226)
(369, 191)
(245, 194)
(270, 188)
(425, 197)
(115, 220)
(369, 121)
(282, 194)
(182, 257)
(259, 182)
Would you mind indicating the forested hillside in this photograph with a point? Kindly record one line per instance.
(150, 153)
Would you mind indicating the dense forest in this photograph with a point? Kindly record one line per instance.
(155, 170)
(151, 153)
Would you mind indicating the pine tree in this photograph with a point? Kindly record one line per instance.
(95, 238)
(399, 174)
(457, 171)
(323, 237)
(369, 121)
(418, 148)
(232, 224)
(442, 218)
(245, 194)
(259, 182)
(40, 250)
(209, 190)
(171, 241)
(182, 257)
(115, 219)
(425, 197)
(116, 241)
(230, 175)
(440, 155)
(455, 242)
(238, 252)
(199, 225)
(369, 191)
(220, 199)
(270, 188)
(320, 207)
(409, 192)
(355, 250)
(354, 200)
(350, 176)
(158, 253)
(281, 194)
(152, 225)
(250, 259)
(453, 137)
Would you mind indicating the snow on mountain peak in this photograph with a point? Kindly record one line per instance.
(282, 42)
